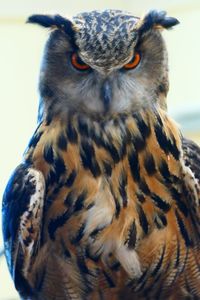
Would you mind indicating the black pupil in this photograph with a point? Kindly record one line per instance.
(79, 61)
(132, 60)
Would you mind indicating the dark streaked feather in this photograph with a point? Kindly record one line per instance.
(54, 20)
(192, 156)
(156, 19)
(21, 213)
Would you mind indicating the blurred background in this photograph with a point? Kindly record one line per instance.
(21, 47)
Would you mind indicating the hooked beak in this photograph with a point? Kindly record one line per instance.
(106, 94)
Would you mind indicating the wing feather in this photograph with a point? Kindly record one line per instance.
(22, 212)
(192, 156)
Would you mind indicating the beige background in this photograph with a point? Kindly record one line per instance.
(20, 54)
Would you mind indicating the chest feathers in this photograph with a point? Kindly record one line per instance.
(112, 184)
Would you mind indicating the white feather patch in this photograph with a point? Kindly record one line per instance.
(101, 214)
(129, 260)
(32, 217)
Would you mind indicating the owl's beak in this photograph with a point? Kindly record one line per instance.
(106, 94)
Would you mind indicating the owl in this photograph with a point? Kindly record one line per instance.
(105, 204)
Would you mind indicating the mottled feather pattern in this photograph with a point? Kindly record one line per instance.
(192, 157)
(23, 209)
(135, 215)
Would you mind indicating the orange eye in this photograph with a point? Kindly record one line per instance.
(78, 63)
(133, 62)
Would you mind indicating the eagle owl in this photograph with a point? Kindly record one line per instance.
(105, 204)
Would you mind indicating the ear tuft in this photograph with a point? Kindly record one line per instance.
(53, 21)
(156, 20)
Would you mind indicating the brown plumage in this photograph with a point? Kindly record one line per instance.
(106, 207)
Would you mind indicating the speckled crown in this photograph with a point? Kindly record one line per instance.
(105, 38)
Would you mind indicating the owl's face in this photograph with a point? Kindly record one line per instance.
(104, 62)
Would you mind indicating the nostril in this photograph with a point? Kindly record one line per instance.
(106, 94)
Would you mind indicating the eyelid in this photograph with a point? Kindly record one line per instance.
(134, 62)
(79, 65)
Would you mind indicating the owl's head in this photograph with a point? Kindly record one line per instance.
(102, 63)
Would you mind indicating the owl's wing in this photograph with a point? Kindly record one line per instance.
(192, 157)
(22, 212)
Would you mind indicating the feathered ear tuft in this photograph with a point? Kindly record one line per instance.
(53, 21)
(156, 20)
